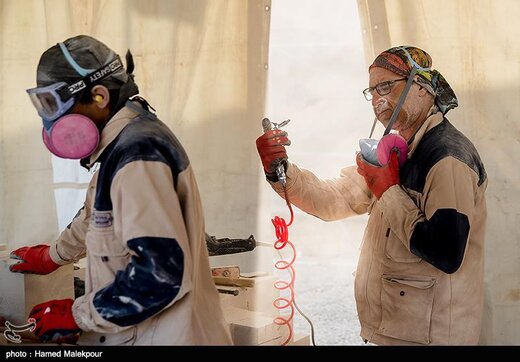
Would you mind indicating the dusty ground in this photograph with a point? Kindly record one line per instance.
(328, 303)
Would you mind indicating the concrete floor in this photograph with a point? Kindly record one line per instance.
(327, 301)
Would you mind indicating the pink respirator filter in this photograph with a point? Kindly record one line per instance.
(73, 136)
(387, 144)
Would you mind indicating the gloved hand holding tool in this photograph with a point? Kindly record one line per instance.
(272, 152)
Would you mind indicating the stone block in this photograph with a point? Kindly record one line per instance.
(20, 292)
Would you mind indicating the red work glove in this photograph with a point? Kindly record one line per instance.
(34, 259)
(54, 321)
(271, 149)
(379, 179)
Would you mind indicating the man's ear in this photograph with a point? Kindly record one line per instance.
(100, 96)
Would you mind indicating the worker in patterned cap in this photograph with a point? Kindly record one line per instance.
(141, 229)
(419, 279)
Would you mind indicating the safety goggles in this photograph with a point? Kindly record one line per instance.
(53, 101)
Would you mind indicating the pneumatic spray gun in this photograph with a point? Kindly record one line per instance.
(267, 126)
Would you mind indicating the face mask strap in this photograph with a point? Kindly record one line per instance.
(404, 93)
(80, 70)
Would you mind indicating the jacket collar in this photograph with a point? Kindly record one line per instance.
(112, 130)
(432, 121)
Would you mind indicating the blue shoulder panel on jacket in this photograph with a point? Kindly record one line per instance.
(143, 139)
(148, 283)
(441, 241)
(441, 141)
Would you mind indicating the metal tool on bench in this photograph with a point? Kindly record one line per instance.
(225, 246)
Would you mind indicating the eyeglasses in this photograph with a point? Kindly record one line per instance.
(382, 88)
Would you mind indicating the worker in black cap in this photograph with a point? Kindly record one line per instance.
(141, 227)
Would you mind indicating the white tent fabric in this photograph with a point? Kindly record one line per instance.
(202, 66)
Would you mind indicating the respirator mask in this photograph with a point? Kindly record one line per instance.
(377, 152)
(72, 136)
